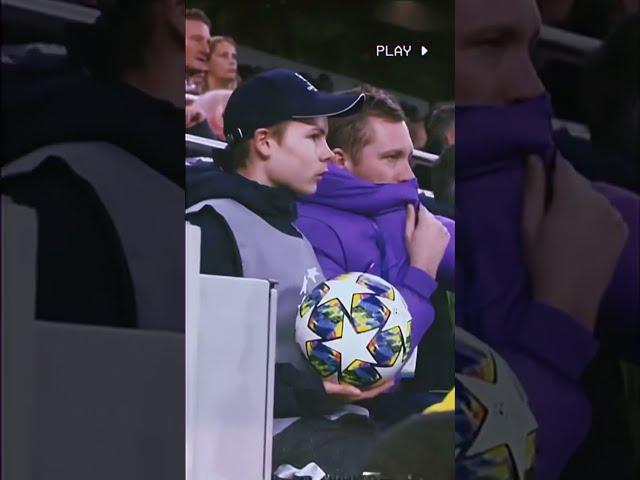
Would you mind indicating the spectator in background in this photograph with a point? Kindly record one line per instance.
(416, 125)
(419, 137)
(324, 83)
(441, 128)
(222, 73)
(192, 116)
(196, 49)
(555, 12)
(418, 133)
(212, 105)
(443, 176)
(612, 101)
(442, 185)
(597, 18)
(594, 18)
(564, 80)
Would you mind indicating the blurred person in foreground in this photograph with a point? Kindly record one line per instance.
(222, 65)
(121, 83)
(547, 267)
(196, 49)
(131, 57)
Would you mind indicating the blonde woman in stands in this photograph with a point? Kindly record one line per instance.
(223, 64)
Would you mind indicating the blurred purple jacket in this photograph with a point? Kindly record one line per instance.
(548, 350)
(356, 226)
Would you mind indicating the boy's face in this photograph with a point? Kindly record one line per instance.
(299, 159)
(494, 40)
(385, 158)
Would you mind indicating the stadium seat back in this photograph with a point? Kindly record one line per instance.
(85, 401)
(144, 207)
(192, 311)
(18, 309)
(230, 358)
(108, 403)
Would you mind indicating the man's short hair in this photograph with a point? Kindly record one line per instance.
(199, 15)
(351, 133)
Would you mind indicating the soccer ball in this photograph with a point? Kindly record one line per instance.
(495, 429)
(354, 329)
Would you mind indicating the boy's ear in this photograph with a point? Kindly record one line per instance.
(262, 142)
(339, 157)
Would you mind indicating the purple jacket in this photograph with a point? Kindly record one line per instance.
(548, 350)
(357, 226)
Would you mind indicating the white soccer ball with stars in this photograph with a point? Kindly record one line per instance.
(355, 329)
(495, 428)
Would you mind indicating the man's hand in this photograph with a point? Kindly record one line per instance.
(193, 115)
(572, 249)
(213, 104)
(426, 240)
(350, 394)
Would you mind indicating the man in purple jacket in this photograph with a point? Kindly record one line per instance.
(366, 215)
(551, 303)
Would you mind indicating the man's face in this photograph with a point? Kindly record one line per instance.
(494, 40)
(300, 159)
(385, 158)
(196, 45)
(223, 63)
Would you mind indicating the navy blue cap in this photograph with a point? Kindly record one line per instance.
(279, 95)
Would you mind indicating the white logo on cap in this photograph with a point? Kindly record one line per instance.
(310, 87)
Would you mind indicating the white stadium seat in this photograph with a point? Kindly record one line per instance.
(18, 310)
(82, 401)
(231, 360)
